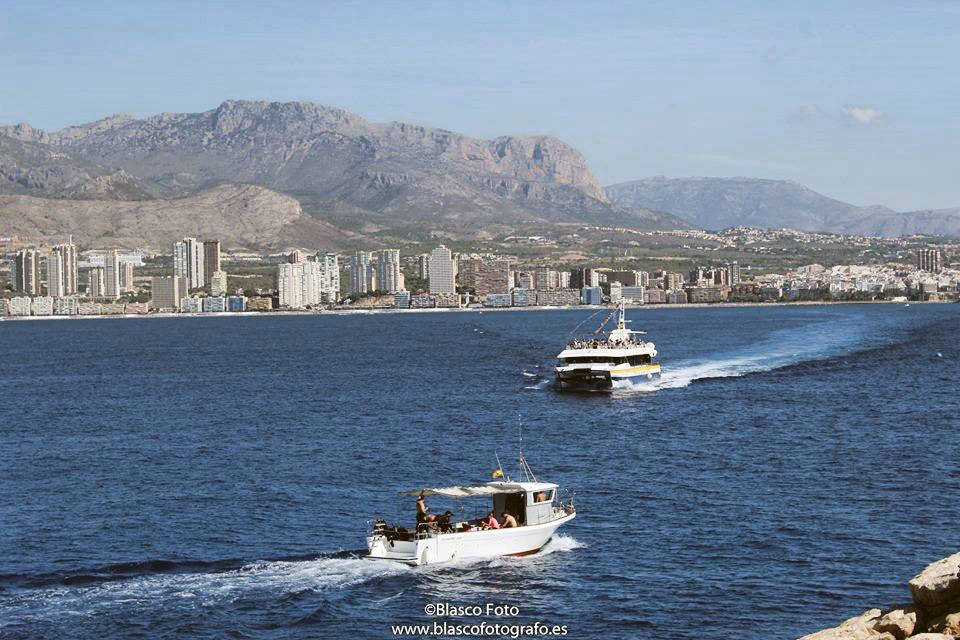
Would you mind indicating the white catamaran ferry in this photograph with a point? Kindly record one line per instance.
(609, 361)
(525, 516)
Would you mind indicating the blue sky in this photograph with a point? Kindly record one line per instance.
(858, 100)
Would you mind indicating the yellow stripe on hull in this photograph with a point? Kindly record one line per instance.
(635, 371)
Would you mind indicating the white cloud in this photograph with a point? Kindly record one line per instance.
(863, 115)
(847, 115)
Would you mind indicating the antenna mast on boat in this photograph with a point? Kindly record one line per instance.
(524, 467)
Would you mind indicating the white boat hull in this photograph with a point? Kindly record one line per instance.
(584, 377)
(444, 547)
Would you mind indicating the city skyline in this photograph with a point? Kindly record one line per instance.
(305, 281)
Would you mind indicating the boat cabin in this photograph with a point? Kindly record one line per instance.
(530, 503)
(632, 360)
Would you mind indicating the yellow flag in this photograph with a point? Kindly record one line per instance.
(497, 473)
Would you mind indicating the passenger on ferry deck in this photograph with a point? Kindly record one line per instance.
(492, 521)
(508, 520)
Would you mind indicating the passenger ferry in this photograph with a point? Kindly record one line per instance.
(614, 360)
(533, 506)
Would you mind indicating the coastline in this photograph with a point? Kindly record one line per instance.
(389, 310)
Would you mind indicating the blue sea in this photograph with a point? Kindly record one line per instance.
(214, 477)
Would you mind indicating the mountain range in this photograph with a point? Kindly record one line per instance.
(719, 203)
(376, 180)
(274, 175)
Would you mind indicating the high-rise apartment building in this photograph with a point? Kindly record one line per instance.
(423, 266)
(928, 259)
(362, 276)
(218, 283)
(126, 275)
(62, 270)
(27, 276)
(330, 276)
(625, 278)
(672, 281)
(211, 259)
(733, 274)
(299, 284)
(389, 275)
(55, 276)
(584, 277)
(167, 292)
(443, 271)
(111, 274)
(96, 288)
(485, 276)
(188, 262)
(546, 279)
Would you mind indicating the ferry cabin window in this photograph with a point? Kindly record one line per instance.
(543, 496)
(644, 359)
(594, 359)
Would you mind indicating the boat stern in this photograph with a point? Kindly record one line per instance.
(381, 548)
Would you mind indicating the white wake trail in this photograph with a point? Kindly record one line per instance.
(781, 349)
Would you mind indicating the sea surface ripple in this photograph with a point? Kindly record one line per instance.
(214, 477)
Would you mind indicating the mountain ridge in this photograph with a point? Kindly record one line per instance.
(341, 166)
(717, 203)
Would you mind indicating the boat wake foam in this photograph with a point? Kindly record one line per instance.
(278, 578)
(782, 349)
(560, 543)
(273, 577)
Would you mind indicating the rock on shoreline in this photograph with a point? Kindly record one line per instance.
(934, 613)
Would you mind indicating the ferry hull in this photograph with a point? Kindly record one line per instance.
(590, 379)
(515, 541)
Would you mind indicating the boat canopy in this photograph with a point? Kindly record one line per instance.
(490, 489)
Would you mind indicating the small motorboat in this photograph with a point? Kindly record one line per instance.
(532, 504)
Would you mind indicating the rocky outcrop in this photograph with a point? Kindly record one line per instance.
(32, 168)
(938, 584)
(933, 615)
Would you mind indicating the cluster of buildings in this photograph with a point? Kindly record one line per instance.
(49, 282)
(927, 279)
(495, 281)
(58, 281)
(199, 282)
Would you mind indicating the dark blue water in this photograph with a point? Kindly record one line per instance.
(212, 477)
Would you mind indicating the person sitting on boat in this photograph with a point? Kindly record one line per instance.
(509, 521)
(443, 522)
(492, 521)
